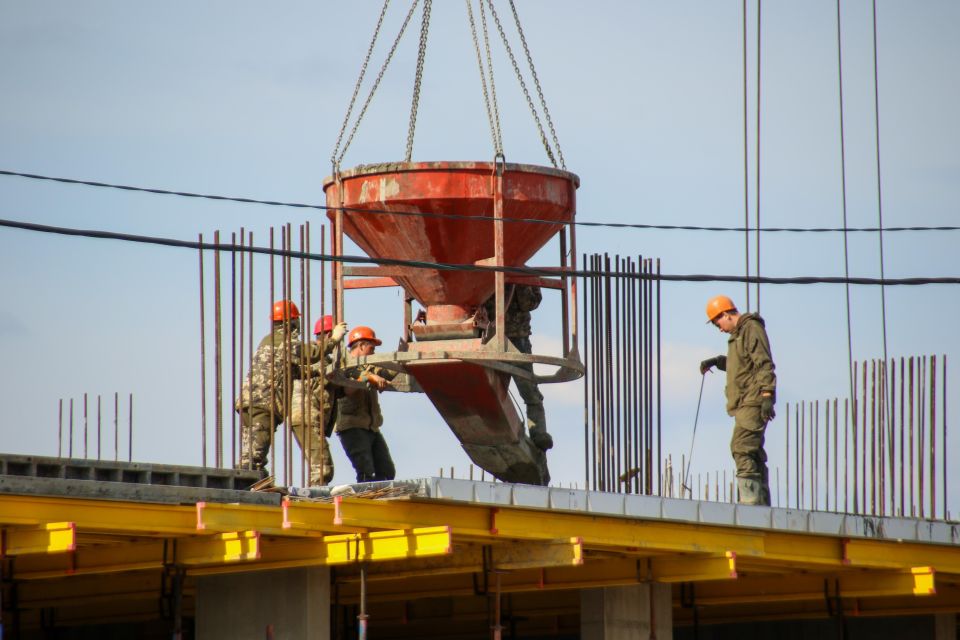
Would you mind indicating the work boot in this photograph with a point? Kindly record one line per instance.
(751, 491)
(541, 438)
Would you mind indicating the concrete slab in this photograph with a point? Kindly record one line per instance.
(642, 507)
(527, 495)
(676, 509)
(826, 523)
(789, 519)
(717, 513)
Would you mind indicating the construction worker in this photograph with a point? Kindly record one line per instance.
(521, 299)
(751, 393)
(264, 397)
(358, 417)
(311, 406)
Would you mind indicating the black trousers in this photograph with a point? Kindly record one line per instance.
(368, 453)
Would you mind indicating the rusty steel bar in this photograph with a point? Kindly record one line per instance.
(574, 326)
(233, 345)
(238, 374)
(659, 405)
(288, 366)
(608, 313)
(587, 380)
(617, 322)
(306, 447)
(873, 437)
(99, 424)
(891, 434)
(863, 442)
(854, 412)
(250, 310)
(836, 456)
(116, 426)
(902, 430)
(910, 413)
(646, 286)
(218, 355)
(946, 514)
(624, 377)
(921, 428)
(881, 479)
(815, 458)
(60, 432)
(826, 449)
(203, 366)
(803, 446)
(797, 441)
(273, 368)
(787, 454)
(596, 434)
(130, 429)
(846, 454)
(85, 427)
(70, 446)
(933, 436)
(639, 440)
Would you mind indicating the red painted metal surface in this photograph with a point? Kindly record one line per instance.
(473, 400)
(460, 188)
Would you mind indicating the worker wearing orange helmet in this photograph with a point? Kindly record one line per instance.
(311, 406)
(265, 396)
(358, 415)
(751, 393)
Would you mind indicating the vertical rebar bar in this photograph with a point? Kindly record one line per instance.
(863, 441)
(306, 373)
(911, 438)
(99, 423)
(846, 455)
(787, 455)
(854, 409)
(60, 432)
(130, 429)
(659, 411)
(826, 448)
(873, 437)
(815, 458)
(647, 287)
(608, 322)
(70, 447)
(902, 429)
(273, 368)
(250, 310)
(587, 377)
(836, 455)
(797, 440)
(803, 447)
(116, 426)
(203, 366)
(86, 426)
(218, 355)
(238, 454)
(921, 429)
(233, 346)
(617, 321)
(933, 436)
(943, 412)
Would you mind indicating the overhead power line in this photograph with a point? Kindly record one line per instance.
(444, 266)
(578, 223)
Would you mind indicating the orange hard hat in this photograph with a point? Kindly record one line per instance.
(284, 310)
(362, 333)
(323, 324)
(717, 305)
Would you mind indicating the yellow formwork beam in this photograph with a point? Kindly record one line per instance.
(313, 518)
(406, 514)
(52, 537)
(222, 548)
(874, 553)
(694, 568)
(790, 587)
(215, 516)
(99, 515)
(377, 546)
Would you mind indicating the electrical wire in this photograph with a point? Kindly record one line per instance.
(419, 214)
(444, 266)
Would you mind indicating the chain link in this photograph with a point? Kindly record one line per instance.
(418, 78)
(536, 82)
(356, 89)
(523, 85)
(493, 85)
(376, 84)
(494, 126)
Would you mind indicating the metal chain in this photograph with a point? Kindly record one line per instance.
(493, 85)
(356, 89)
(523, 85)
(376, 84)
(536, 82)
(418, 78)
(494, 126)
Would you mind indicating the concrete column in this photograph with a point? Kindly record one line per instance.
(945, 626)
(241, 606)
(626, 613)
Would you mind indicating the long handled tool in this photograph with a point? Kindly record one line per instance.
(686, 474)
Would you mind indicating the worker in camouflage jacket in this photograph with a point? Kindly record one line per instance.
(266, 394)
(311, 406)
(751, 393)
(358, 416)
(521, 299)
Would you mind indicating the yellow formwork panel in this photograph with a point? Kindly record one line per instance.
(52, 537)
(893, 554)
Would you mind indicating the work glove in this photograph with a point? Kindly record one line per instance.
(720, 362)
(338, 332)
(766, 408)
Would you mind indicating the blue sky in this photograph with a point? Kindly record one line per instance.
(246, 99)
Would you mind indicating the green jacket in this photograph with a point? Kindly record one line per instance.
(750, 368)
(361, 410)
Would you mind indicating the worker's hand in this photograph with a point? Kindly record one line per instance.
(720, 362)
(377, 381)
(338, 332)
(766, 408)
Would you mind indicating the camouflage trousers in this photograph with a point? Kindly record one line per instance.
(746, 445)
(306, 407)
(257, 428)
(529, 390)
